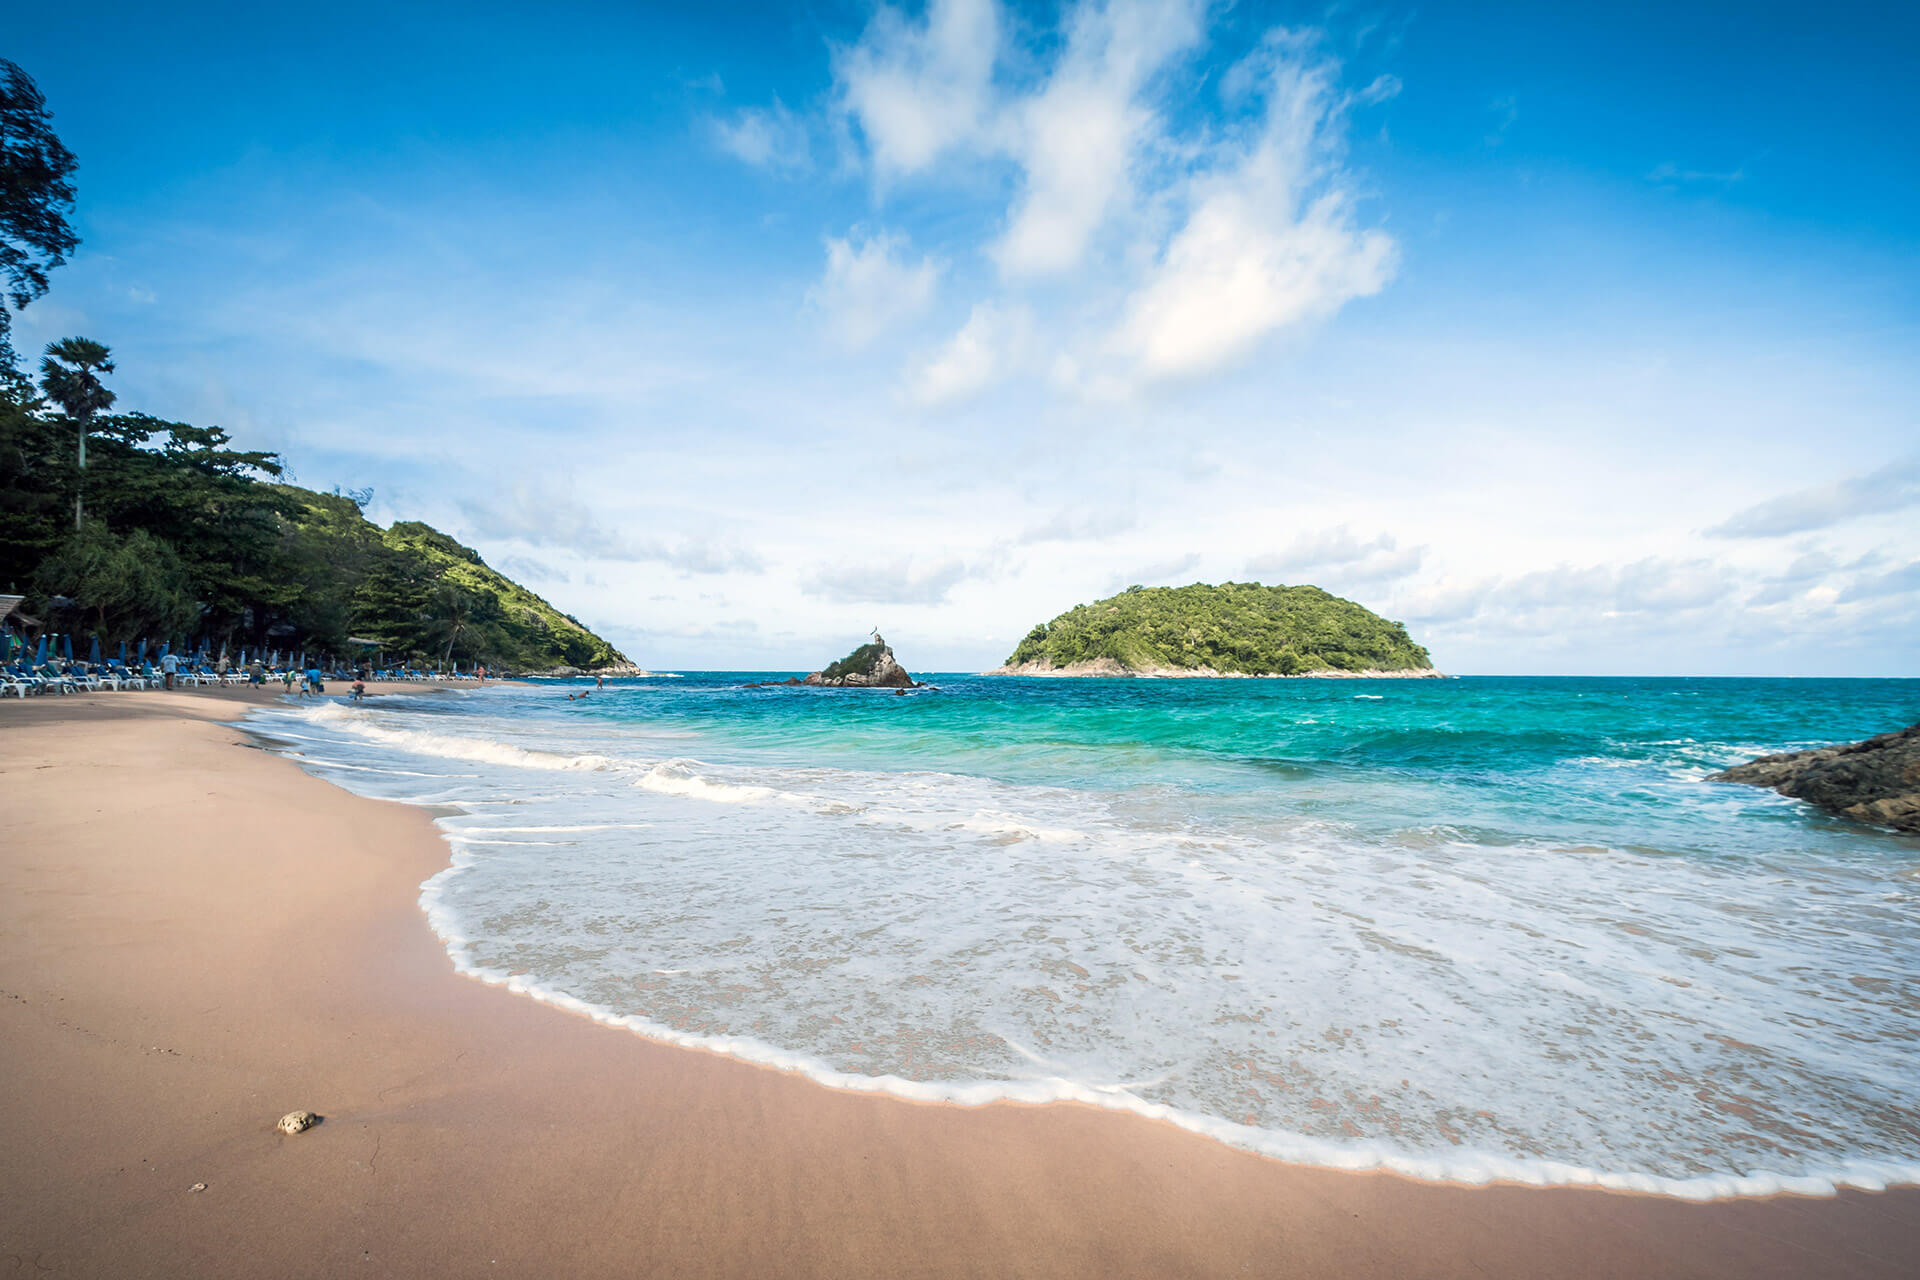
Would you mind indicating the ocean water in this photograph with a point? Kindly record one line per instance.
(1475, 929)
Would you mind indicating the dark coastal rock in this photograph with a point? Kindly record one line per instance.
(871, 666)
(1875, 781)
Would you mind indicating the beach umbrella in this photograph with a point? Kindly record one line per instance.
(40, 655)
(66, 646)
(165, 646)
(143, 650)
(93, 652)
(123, 653)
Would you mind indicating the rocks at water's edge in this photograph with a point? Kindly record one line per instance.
(1875, 781)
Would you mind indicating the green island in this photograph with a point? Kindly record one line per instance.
(184, 538)
(1235, 628)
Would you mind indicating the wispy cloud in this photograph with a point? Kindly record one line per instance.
(1894, 487)
(1161, 573)
(1271, 241)
(546, 514)
(1078, 139)
(898, 582)
(871, 285)
(1341, 555)
(1080, 525)
(766, 137)
(1670, 172)
(994, 341)
(1897, 582)
(1199, 245)
(917, 89)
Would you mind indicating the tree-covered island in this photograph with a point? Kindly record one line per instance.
(1235, 628)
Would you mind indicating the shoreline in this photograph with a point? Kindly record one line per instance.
(184, 964)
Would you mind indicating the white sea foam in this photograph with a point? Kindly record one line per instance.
(1439, 1000)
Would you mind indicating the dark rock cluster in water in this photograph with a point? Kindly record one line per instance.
(871, 666)
(1875, 781)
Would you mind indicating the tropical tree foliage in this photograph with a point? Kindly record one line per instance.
(35, 197)
(1236, 626)
(187, 536)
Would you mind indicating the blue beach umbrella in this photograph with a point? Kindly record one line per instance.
(93, 652)
(123, 653)
(40, 655)
(165, 647)
(66, 646)
(143, 650)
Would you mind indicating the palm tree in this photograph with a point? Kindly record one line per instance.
(449, 610)
(70, 376)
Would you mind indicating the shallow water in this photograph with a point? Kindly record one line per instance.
(1466, 929)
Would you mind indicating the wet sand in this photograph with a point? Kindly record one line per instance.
(196, 937)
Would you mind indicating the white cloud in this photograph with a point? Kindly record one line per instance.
(1897, 582)
(899, 582)
(1271, 241)
(1341, 557)
(991, 344)
(767, 138)
(1078, 136)
(1893, 487)
(1159, 574)
(870, 286)
(1809, 570)
(1080, 525)
(545, 513)
(917, 89)
(1216, 238)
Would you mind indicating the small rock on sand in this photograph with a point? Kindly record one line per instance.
(298, 1121)
(198, 1186)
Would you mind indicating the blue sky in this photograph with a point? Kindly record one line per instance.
(1581, 338)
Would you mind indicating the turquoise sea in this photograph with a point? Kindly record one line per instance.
(1467, 929)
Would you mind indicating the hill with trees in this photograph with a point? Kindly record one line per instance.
(1240, 628)
(185, 537)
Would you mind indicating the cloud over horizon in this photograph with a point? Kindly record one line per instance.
(1894, 487)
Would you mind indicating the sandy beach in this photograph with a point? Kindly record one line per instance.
(196, 938)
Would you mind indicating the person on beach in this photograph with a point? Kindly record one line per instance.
(169, 666)
(313, 682)
(599, 682)
(257, 673)
(359, 690)
(286, 679)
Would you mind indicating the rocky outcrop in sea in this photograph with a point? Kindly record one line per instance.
(871, 666)
(1875, 781)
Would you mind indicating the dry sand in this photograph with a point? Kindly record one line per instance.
(196, 937)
